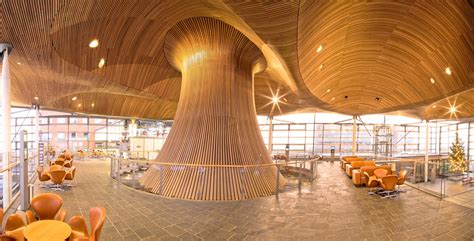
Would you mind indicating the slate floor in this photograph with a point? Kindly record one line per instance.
(331, 209)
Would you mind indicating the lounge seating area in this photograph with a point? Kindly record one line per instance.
(46, 213)
(59, 171)
(380, 179)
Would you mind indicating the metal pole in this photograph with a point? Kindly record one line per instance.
(277, 191)
(112, 167)
(119, 165)
(299, 178)
(133, 173)
(270, 135)
(427, 144)
(37, 135)
(6, 127)
(24, 192)
(354, 134)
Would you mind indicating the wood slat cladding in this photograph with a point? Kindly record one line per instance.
(215, 122)
(385, 49)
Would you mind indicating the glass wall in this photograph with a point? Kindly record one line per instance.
(60, 131)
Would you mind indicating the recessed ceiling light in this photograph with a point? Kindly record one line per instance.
(92, 104)
(333, 98)
(79, 105)
(94, 43)
(321, 67)
(329, 90)
(74, 98)
(18, 63)
(448, 71)
(275, 99)
(101, 63)
(452, 109)
(319, 48)
(36, 98)
(434, 106)
(432, 80)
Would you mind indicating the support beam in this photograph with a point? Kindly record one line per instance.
(354, 135)
(36, 137)
(427, 148)
(270, 135)
(215, 149)
(6, 125)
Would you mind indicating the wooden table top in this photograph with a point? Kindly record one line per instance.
(47, 230)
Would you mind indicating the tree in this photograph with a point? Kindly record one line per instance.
(457, 161)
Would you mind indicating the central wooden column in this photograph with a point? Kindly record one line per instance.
(215, 150)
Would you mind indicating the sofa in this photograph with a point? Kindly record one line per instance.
(348, 159)
(354, 165)
(358, 177)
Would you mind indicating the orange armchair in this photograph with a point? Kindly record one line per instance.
(59, 161)
(401, 180)
(68, 163)
(79, 227)
(373, 181)
(388, 183)
(57, 178)
(47, 206)
(14, 227)
(43, 175)
(70, 176)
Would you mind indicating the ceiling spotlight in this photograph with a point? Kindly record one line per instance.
(377, 98)
(321, 67)
(275, 99)
(92, 104)
(448, 71)
(101, 63)
(74, 98)
(333, 98)
(452, 109)
(79, 105)
(18, 63)
(319, 48)
(36, 98)
(434, 106)
(432, 80)
(329, 90)
(94, 43)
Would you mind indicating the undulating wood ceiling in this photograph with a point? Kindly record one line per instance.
(370, 49)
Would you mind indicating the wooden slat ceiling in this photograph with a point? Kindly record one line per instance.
(384, 49)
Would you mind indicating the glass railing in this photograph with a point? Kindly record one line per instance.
(432, 176)
(297, 173)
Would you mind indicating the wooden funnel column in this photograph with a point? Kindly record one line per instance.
(215, 150)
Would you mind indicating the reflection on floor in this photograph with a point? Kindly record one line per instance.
(465, 199)
(331, 209)
(448, 187)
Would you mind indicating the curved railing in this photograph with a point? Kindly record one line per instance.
(131, 172)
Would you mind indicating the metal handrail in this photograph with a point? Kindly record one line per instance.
(14, 164)
(197, 165)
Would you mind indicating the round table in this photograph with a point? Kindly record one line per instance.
(47, 230)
